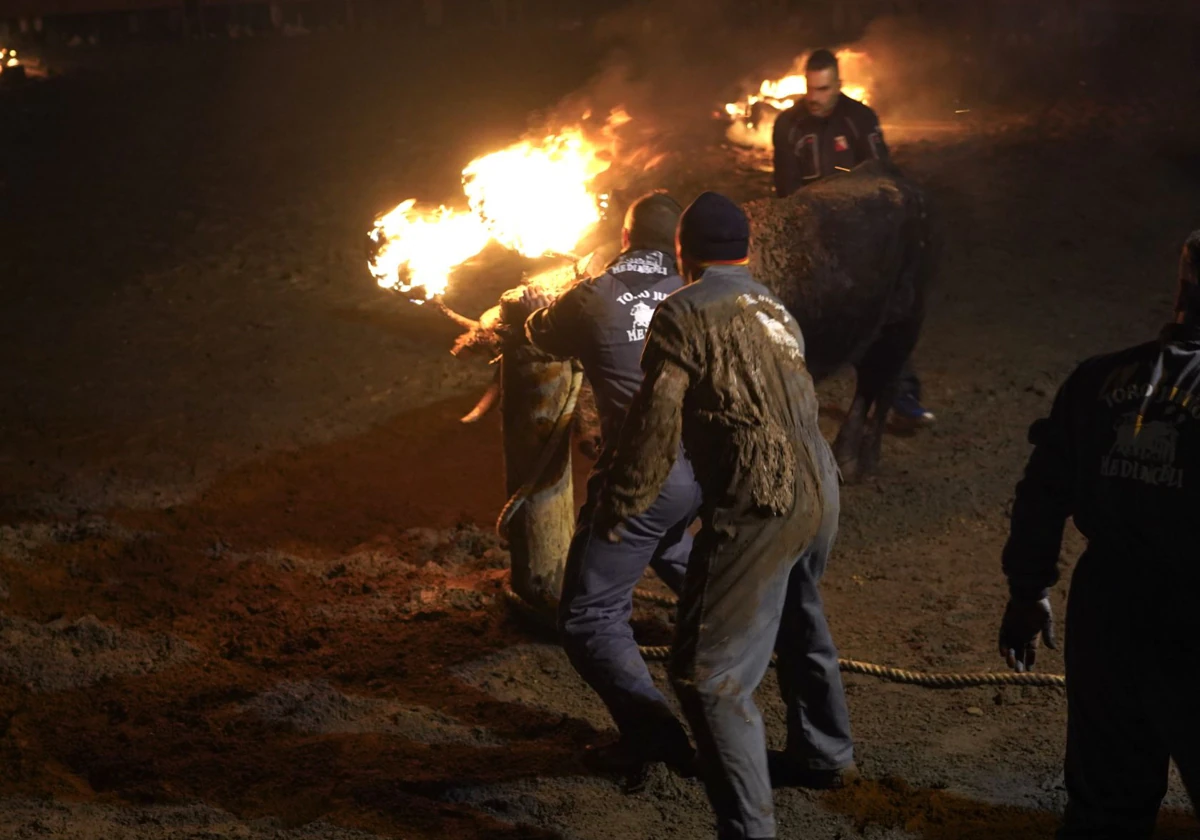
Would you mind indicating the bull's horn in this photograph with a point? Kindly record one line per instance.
(487, 402)
(462, 320)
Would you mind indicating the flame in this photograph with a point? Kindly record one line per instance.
(423, 247)
(8, 58)
(536, 197)
(752, 126)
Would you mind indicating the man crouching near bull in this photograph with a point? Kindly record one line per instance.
(602, 322)
(725, 373)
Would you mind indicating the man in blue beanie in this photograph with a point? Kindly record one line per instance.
(725, 373)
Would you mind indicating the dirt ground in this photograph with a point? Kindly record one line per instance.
(249, 584)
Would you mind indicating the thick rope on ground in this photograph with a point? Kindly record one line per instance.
(850, 666)
(561, 427)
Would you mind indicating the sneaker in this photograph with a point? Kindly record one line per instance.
(786, 772)
(909, 409)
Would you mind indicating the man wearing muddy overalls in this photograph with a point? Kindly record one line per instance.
(725, 373)
(603, 323)
(828, 132)
(1120, 453)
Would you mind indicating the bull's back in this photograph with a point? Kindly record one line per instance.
(846, 256)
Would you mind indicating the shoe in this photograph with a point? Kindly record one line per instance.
(787, 772)
(909, 409)
(630, 754)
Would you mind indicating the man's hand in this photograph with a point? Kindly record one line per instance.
(1025, 619)
(532, 300)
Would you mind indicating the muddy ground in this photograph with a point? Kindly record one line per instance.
(249, 583)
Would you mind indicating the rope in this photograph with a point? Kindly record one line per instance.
(661, 653)
(561, 426)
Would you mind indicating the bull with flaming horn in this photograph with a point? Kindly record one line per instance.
(539, 198)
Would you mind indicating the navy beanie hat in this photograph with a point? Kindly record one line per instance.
(714, 229)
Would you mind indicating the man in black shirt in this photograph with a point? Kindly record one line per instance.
(828, 132)
(1120, 454)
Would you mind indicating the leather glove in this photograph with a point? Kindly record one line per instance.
(1025, 619)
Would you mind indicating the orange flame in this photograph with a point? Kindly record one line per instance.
(536, 197)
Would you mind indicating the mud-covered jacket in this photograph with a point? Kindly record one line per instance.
(808, 148)
(1120, 452)
(603, 322)
(725, 371)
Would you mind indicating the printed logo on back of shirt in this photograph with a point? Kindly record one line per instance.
(648, 263)
(1146, 452)
(775, 322)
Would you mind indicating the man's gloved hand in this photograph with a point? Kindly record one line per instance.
(1025, 619)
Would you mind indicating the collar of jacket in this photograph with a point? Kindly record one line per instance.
(1180, 333)
(717, 271)
(624, 256)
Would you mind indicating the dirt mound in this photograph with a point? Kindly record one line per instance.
(63, 655)
(20, 542)
(319, 708)
(76, 821)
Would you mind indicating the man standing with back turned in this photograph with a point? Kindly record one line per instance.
(1120, 452)
(724, 371)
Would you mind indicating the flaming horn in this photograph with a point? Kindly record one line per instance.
(536, 197)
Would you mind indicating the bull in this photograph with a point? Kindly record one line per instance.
(851, 257)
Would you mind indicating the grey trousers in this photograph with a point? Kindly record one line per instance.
(751, 590)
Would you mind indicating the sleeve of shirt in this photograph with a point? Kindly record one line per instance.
(559, 328)
(785, 158)
(873, 145)
(1044, 500)
(649, 442)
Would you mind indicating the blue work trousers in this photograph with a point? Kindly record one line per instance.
(597, 596)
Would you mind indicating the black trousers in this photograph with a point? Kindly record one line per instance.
(1133, 702)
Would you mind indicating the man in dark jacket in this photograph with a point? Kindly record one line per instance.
(828, 132)
(1120, 453)
(725, 374)
(603, 323)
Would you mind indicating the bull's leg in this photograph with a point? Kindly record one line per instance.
(878, 377)
(848, 445)
(871, 445)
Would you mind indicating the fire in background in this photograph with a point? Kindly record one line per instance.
(753, 116)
